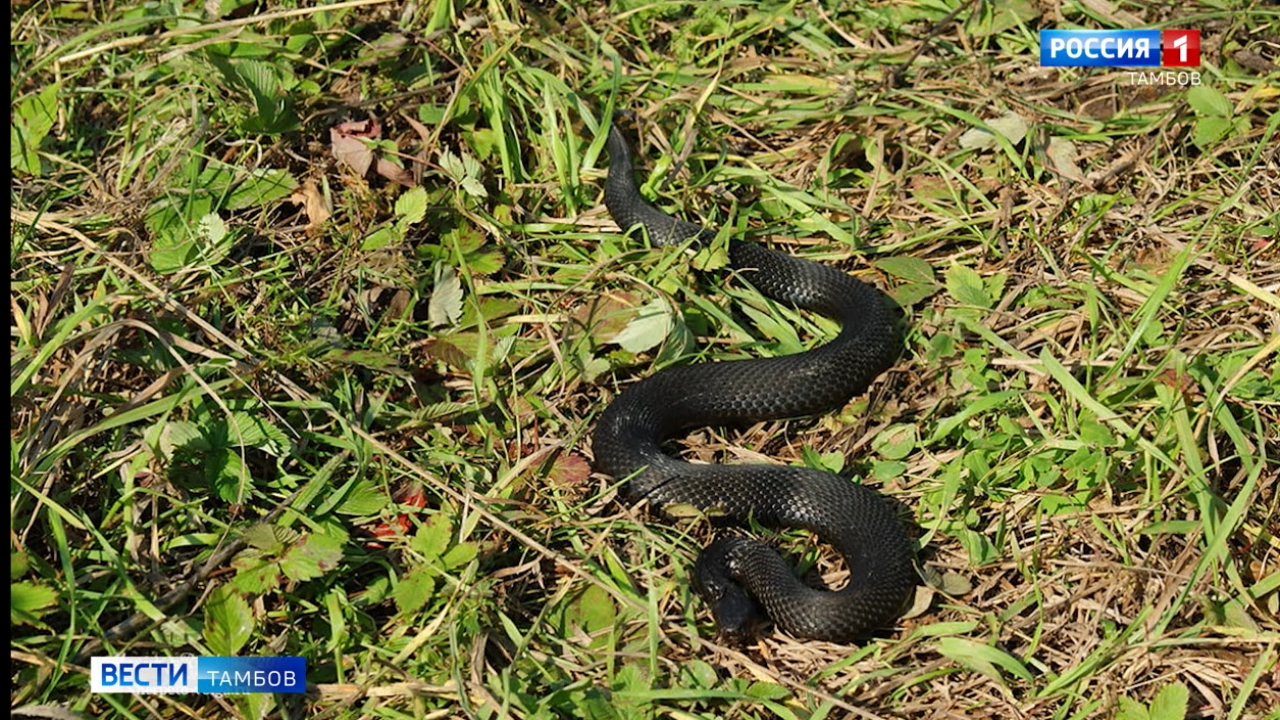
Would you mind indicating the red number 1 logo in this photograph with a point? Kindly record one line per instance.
(1180, 48)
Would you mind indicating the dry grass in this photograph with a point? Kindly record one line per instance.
(1082, 427)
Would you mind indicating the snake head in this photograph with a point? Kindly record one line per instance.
(738, 616)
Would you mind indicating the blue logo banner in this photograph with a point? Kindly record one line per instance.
(1100, 48)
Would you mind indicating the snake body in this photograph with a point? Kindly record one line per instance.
(738, 576)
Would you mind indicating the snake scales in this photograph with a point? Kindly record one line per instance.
(740, 576)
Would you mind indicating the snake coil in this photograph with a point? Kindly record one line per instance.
(740, 576)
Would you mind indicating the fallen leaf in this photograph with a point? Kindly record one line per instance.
(349, 146)
(1012, 126)
(568, 471)
(394, 172)
(313, 204)
(1062, 153)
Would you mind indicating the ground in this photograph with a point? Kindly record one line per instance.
(312, 311)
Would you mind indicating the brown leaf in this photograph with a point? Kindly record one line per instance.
(352, 152)
(394, 172)
(312, 202)
(348, 143)
(569, 470)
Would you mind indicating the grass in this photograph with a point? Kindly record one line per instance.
(266, 404)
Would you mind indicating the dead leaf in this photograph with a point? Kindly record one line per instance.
(394, 172)
(1062, 154)
(569, 470)
(313, 204)
(349, 146)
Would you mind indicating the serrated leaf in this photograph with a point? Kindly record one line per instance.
(211, 228)
(364, 498)
(1011, 126)
(180, 434)
(1129, 709)
(271, 538)
(459, 554)
(432, 537)
(650, 326)
(380, 238)
(465, 171)
(908, 268)
(411, 206)
(485, 262)
(1207, 101)
(261, 187)
(965, 285)
(256, 431)
(228, 621)
(318, 554)
(1170, 703)
(1209, 130)
(414, 589)
(445, 306)
(227, 472)
(254, 575)
(31, 122)
(272, 101)
(27, 600)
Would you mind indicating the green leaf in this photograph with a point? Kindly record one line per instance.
(1209, 130)
(767, 691)
(413, 590)
(433, 537)
(908, 268)
(445, 306)
(465, 171)
(271, 538)
(380, 238)
(647, 329)
(318, 554)
(965, 285)
(256, 431)
(983, 659)
(272, 101)
(1170, 703)
(459, 554)
(33, 118)
(255, 575)
(261, 187)
(411, 207)
(211, 228)
(228, 621)
(27, 600)
(1207, 101)
(896, 441)
(224, 470)
(18, 565)
(175, 242)
(1129, 709)
(364, 498)
(994, 18)
(595, 610)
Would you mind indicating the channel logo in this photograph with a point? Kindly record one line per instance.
(206, 675)
(1119, 48)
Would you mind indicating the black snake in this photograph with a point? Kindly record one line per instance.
(737, 575)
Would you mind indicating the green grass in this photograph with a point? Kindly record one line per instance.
(241, 427)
